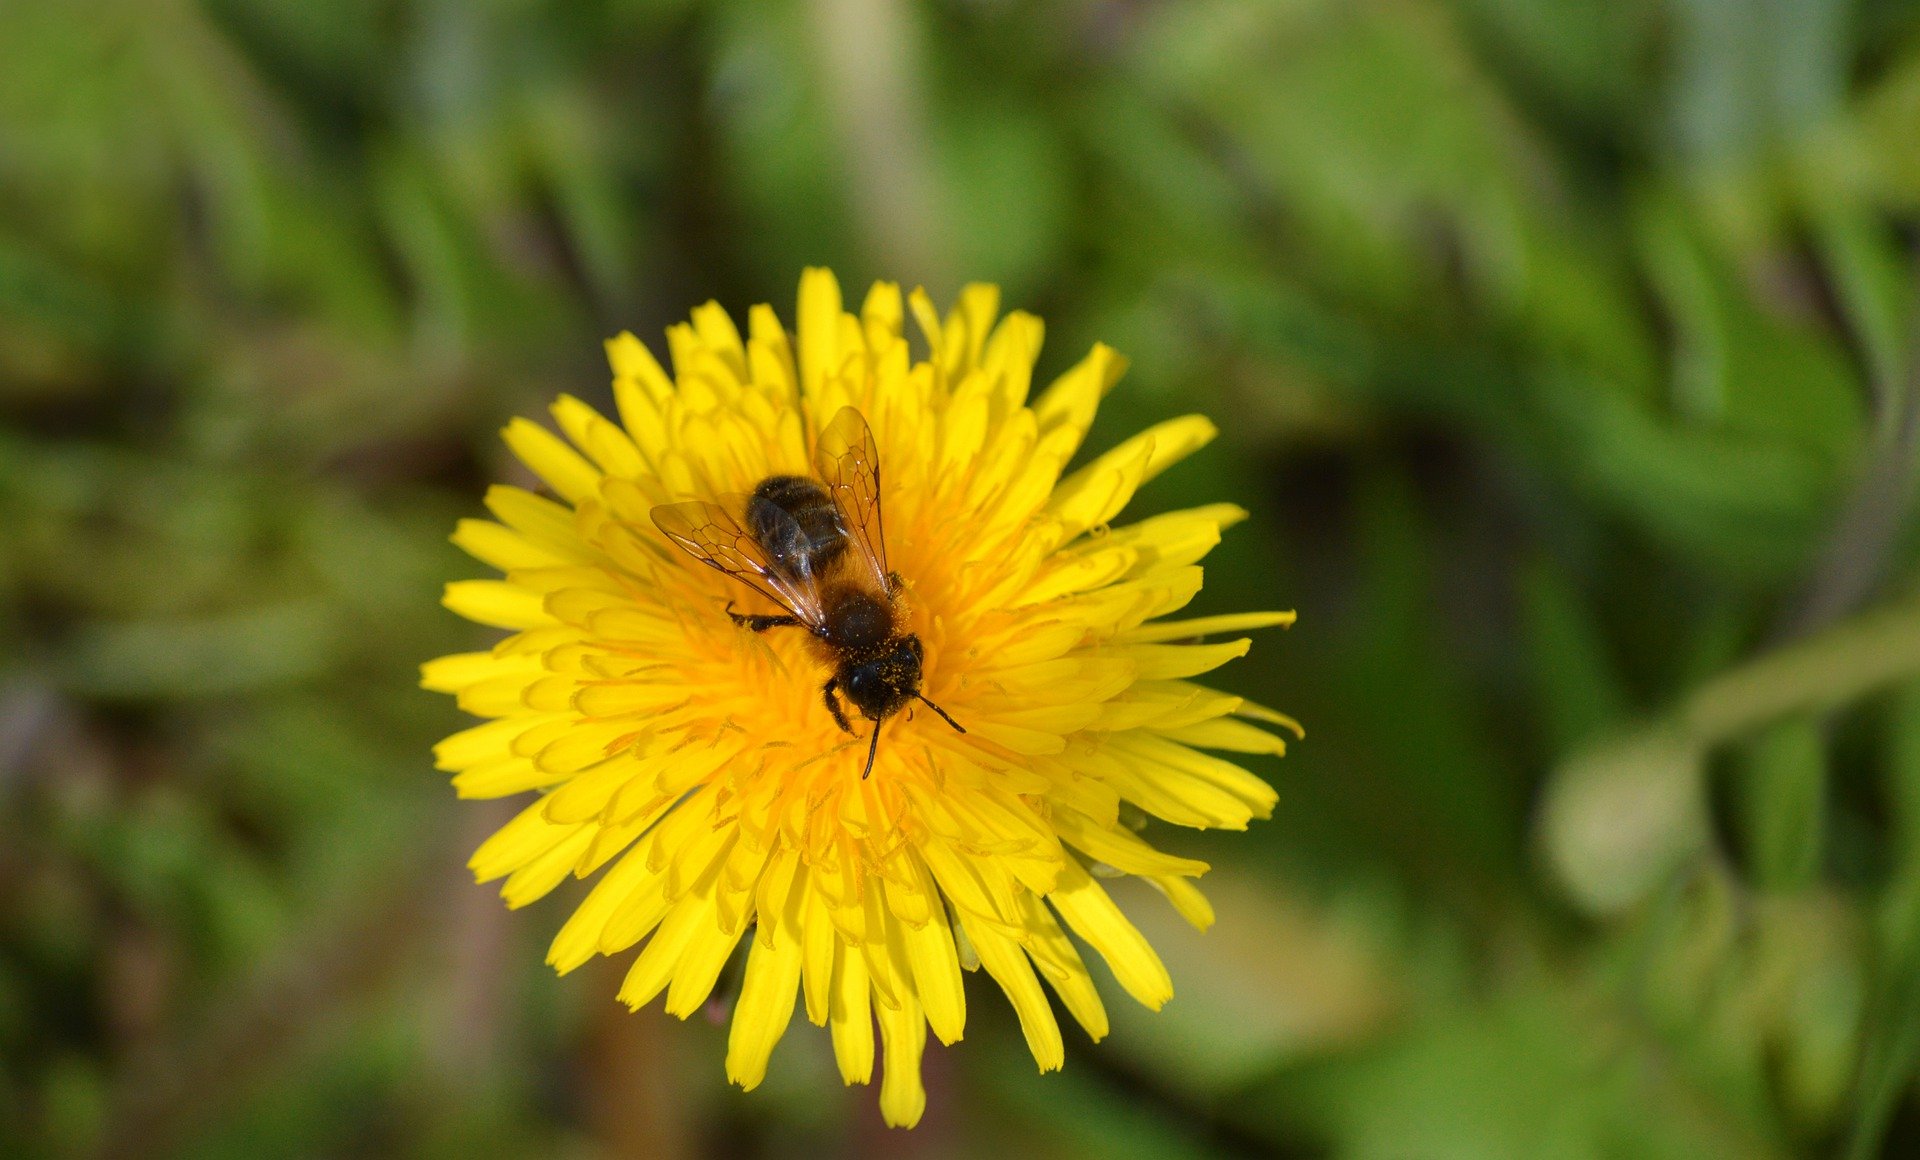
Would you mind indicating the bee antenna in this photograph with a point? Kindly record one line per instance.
(873, 748)
(957, 727)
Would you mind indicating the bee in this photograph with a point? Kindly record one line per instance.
(815, 546)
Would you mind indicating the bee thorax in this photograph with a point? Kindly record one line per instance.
(857, 621)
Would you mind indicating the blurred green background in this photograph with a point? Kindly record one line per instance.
(1565, 354)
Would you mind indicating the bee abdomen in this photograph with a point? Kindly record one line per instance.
(793, 518)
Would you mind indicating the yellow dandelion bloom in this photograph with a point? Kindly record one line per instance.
(695, 761)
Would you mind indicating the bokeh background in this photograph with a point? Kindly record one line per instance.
(1565, 358)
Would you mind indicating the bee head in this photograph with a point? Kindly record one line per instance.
(881, 685)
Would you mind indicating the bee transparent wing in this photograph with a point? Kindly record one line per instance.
(847, 460)
(712, 535)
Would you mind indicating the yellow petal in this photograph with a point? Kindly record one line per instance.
(612, 836)
(1233, 736)
(1187, 899)
(1010, 354)
(936, 973)
(1035, 742)
(820, 942)
(1007, 963)
(1121, 848)
(1207, 626)
(450, 674)
(630, 359)
(765, 1008)
(719, 335)
(579, 938)
(534, 880)
(1194, 768)
(552, 460)
(1100, 490)
(521, 841)
(610, 448)
(1060, 964)
(1165, 662)
(480, 745)
(497, 603)
(1087, 908)
(903, 1031)
(1262, 713)
(1097, 492)
(699, 967)
(769, 355)
(978, 304)
(544, 523)
(882, 314)
(691, 919)
(1068, 575)
(1182, 801)
(503, 779)
(586, 795)
(580, 744)
(1071, 399)
(502, 547)
(851, 1018)
(819, 328)
(1163, 705)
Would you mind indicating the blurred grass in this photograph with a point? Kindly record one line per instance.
(1566, 354)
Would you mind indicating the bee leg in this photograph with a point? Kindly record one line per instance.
(833, 704)
(760, 623)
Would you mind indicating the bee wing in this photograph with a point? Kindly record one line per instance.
(848, 461)
(710, 534)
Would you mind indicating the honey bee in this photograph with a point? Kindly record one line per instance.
(814, 545)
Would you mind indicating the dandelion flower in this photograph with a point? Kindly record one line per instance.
(693, 766)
